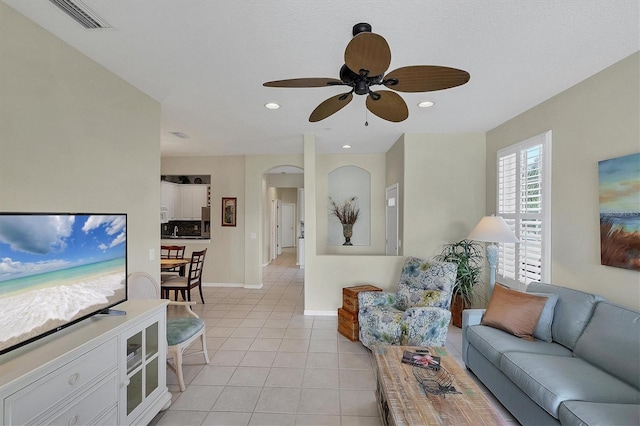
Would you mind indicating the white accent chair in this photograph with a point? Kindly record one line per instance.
(182, 331)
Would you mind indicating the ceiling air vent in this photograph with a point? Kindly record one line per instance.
(82, 14)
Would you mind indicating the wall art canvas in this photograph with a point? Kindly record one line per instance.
(620, 211)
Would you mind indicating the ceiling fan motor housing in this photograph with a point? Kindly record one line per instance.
(359, 83)
(362, 27)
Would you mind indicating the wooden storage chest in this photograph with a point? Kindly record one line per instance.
(350, 297)
(348, 315)
(348, 324)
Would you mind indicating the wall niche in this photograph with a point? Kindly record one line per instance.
(343, 184)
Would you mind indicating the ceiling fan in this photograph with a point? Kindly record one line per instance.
(366, 58)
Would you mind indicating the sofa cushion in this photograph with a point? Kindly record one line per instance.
(492, 343)
(611, 341)
(514, 311)
(543, 328)
(550, 380)
(580, 413)
(419, 275)
(571, 314)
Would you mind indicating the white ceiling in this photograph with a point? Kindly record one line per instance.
(205, 62)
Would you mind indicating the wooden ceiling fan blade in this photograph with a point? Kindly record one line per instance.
(304, 82)
(390, 106)
(425, 78)
(368, 51)
(330, 106)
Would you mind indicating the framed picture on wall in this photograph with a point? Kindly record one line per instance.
(229, 211)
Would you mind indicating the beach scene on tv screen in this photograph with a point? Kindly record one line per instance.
(55, 269)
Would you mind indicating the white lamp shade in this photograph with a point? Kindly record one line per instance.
(493, 229)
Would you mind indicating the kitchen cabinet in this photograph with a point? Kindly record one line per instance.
(183, 202)
(171, 198)
(194, 198)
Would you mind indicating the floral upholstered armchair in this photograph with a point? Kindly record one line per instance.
(417, 314)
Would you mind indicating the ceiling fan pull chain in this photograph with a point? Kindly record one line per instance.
(366, 117)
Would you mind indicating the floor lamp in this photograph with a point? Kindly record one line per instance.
(492, 229)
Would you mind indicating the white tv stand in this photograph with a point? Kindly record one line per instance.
(105, 370)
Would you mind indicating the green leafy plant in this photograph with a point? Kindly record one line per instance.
(468, 255)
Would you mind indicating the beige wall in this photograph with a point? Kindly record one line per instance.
(444, 189)
(595, 120)
(76, 138)
(224, 262)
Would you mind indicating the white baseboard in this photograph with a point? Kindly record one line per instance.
(321, 313)
(234, 285)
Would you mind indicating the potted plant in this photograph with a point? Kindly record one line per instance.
(468, 255)
(347, 213)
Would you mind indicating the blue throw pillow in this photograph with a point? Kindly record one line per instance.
(543, 329)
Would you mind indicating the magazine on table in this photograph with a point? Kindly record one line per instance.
(421, 358)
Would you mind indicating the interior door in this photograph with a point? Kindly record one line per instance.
(273, 236)
(279, 227)
(288, 224)
(392, 243)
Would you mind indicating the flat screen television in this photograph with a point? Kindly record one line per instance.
(57, 269)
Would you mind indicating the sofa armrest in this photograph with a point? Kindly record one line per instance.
(472, 317)
(375, 298)
(469, 317)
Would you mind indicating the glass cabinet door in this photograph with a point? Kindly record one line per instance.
(151, 357)
(142, 366)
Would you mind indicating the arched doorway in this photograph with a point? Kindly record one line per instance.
(283, 215)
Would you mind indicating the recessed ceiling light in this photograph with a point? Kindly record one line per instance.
(271, 105)
(346, 146)
(426, 104)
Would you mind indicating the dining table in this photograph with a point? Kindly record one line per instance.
(168, 264)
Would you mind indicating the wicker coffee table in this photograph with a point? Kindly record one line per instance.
(402, 401)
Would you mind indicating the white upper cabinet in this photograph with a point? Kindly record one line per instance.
(194, 198)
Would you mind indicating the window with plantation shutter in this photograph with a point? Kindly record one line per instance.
(524, 201)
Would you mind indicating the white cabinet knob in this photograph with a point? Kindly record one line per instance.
(73, 420)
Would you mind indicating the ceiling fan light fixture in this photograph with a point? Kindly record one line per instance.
(346, 146)
(426, 104)
(271, 105)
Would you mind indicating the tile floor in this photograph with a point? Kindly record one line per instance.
(271, 365)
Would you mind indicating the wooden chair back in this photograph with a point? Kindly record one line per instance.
(172, 252)
(196, 267)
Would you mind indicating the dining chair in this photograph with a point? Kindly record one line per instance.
(172, 252)
(191, 280)
(182, 330)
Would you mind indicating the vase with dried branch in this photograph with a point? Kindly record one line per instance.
(347, 213)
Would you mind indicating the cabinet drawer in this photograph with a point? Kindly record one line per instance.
(97, 400)
(24, 405)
